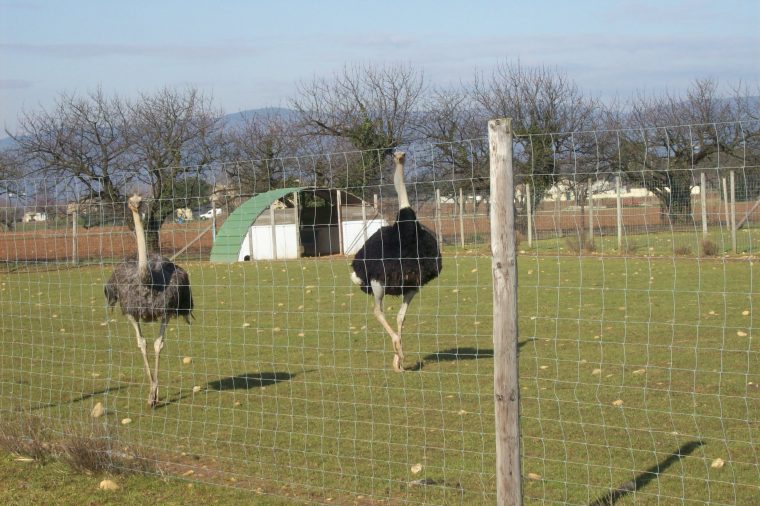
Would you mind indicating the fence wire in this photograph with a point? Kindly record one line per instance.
(639, 371)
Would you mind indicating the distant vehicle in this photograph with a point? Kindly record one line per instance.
(208, 214)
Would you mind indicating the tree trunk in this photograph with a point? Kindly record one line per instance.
(679, 203)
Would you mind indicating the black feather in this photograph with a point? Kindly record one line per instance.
(165, 292)
(402, 257)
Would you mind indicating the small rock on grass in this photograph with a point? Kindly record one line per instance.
(416, 468)
(98, 410)
(717, 463)
(187, 360)
(108, 485)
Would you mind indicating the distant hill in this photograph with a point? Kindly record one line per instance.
(6, 143)
(232, 120)
(235, 119)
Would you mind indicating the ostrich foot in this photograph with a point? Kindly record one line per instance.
(398, 363)
(153, 397)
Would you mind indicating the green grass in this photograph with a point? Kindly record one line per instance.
(298, 395)
(638, 241)
(23, 483)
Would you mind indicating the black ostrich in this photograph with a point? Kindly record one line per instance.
(149, 289)
(397, 260)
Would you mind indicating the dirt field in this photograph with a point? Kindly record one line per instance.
(47, 245)
(106, 243)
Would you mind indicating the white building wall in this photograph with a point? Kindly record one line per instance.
(285, 235)
(353, 234)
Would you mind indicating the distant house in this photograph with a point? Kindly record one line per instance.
(184, 214)
(34, 216)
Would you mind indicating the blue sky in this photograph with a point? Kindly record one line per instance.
(250, 54)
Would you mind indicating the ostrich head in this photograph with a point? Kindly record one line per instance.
(134, 203)
(399, 156)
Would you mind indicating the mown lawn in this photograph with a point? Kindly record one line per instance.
(622, 362)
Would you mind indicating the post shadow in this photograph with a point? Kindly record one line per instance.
(83, 397)
(643, 478)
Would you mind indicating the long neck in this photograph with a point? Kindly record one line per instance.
(398, 182)
(142, 252)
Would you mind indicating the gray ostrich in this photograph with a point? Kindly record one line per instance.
(149, 289)
(397, 260)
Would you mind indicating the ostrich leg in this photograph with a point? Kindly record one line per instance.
(408, 296)
(158, 345)
(379, 292)
(141, 345)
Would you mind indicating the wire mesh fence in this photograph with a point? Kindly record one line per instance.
(638, 371)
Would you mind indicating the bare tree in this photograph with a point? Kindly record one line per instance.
(173, 134)
(259, 151)
(370, 106)
(665, 139)
(80, 138)
(10, 173)
(456, 126)
(546, 108)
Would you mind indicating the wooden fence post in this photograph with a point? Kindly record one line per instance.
(461, 216)
(725, 201)
(703, 202)
(733, 211)
(438, 232)
(504, 270)
(340, 223)
(274, 233)
(298, 224)
(590, 206)
(619, 206)
(74, 250)
(529, 209)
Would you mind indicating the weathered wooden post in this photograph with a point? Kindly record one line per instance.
(364, 220)
(274, 233)
(529, 210)
(213, 219)
(340, 223)
(461, 216)
(504, 270)
(297, 221)
(733, 211)
(703, 202)
(725, 201)
(74, 219)
(619, 206)
(590, 205)
(438, 233)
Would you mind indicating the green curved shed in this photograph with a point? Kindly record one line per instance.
(229, 238)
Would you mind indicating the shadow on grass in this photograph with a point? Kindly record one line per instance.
(459, 353)
(245, 381)
(641, 480)
(462, 353)
(249, 380)
(84, 397)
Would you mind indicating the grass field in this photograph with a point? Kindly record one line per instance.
(298, 398)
